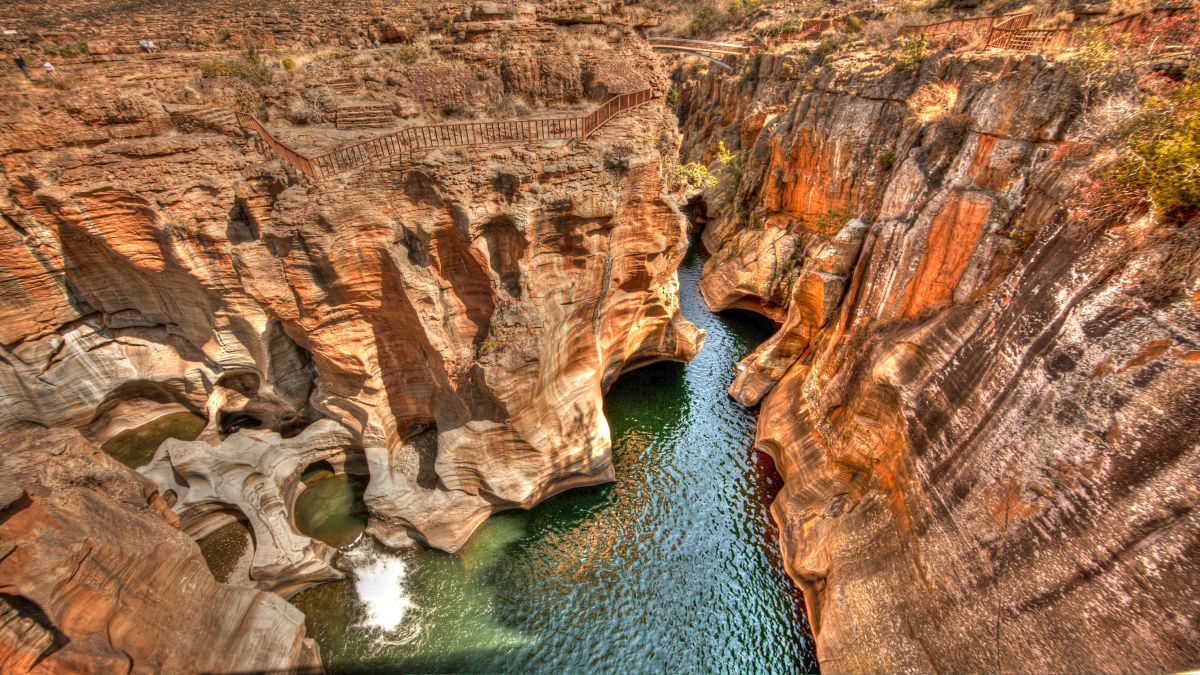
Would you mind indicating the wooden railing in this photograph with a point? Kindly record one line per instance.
(415, 139)
(1028, 39)
(968, 27)
(1013, 32)
(1032, 39)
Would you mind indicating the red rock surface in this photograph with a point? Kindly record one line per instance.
(447, 322)
(984, 411)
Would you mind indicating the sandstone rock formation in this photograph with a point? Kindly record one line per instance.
(447, 322)
(94, 577)
(253, 475)
(484, 296)
(984, 407)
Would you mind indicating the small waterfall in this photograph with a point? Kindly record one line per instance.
(380, 581)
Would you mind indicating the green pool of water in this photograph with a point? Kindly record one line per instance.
(331, 508)
(674, 568)
(136, 447)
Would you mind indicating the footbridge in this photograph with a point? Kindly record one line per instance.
(701, 48)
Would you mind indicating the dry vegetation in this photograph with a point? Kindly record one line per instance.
(934, 101)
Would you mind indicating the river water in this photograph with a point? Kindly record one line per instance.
(674, 568)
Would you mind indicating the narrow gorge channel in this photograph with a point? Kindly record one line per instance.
(675, 567)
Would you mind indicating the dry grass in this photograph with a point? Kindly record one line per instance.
(574, 44)
(1103, 119)
(1125, 7)
(1059, 20)
(512, 106)
(884, 31)
(674, 24)
(934, 101)
(318, 55)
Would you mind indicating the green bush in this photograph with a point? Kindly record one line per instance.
(707, 20)
(832, 220)
(736, 11)
(887, 160)
(827, 47)
(732, 161)
(913, 50)
(77, 48)
(1100, 62)
(287, 63)
(694, 174)
(672, 98)
(247, 98)
(216, 68)
(780, 27)
(1163, 148)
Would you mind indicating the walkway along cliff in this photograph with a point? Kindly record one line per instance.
(410, 140)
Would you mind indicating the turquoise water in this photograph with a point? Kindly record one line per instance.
(674, 568)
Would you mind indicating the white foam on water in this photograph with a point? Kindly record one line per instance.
(379, 581)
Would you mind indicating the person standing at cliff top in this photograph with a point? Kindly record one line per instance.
(21, 64)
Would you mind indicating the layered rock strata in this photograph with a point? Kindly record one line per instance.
(447, 323)
(488, 297)
(984, 405)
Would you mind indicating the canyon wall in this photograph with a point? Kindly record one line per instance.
(482, 298)
(446, 324)
(984, 402)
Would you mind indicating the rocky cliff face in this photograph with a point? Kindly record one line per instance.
(485, 298)
(446, 324)
(983, 405)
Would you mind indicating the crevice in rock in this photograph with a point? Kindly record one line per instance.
(32, 629)
(245, 382)
(231, 423)
(506, 248)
